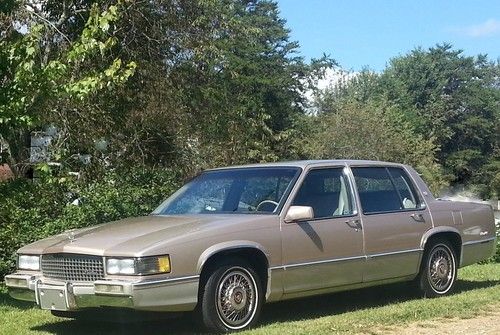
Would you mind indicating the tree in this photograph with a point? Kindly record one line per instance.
(37, 78)
(374, 131)
(216, 83)
(442, 96)
(251, 92)
(454, 99)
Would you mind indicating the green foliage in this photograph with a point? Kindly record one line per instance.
(32, 211)
(36, 78)
(254, 83)
(216, 83)
(496, 256)
(371, 131)
(454, 99)
(442, 96)
(229, 92)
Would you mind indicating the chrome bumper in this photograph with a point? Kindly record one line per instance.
(172, 295)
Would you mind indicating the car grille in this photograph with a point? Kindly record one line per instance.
(72, 267)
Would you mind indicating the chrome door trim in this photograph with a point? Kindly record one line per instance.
(395, 253)
(294, 265)
(486, 240)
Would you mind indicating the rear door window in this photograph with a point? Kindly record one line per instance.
(384, 189)
(404, 187)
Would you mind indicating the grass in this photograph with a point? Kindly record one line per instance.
(360, 311)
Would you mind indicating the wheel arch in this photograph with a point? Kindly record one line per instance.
(450, 234)
(251, 252)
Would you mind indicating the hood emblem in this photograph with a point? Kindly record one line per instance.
(71, 236)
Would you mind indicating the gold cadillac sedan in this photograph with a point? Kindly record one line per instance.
(234, 238)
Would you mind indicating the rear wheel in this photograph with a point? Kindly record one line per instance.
(232, 298)
(438, 272)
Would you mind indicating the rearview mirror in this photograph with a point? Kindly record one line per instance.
(299, 213)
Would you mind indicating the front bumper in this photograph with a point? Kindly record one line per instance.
(170, 295)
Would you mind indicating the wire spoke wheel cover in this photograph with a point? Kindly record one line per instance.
(236, 298)
(441, 268)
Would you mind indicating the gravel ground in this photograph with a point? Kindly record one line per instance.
(488, 324)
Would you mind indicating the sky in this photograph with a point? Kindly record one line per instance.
(368, 33)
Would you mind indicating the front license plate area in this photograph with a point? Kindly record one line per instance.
(53, 298)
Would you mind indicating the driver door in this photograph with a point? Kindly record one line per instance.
(326, 251)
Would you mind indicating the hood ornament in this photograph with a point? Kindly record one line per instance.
(71, 236)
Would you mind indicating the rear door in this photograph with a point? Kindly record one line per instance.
(394, 219)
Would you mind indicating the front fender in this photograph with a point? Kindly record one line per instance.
(229, 245)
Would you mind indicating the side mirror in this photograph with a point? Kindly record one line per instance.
(299, 213)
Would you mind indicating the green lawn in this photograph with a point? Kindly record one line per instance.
(477, 292)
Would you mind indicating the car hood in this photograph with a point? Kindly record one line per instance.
(127, 237)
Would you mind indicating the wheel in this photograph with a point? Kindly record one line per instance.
(438, 272)
(232, 298)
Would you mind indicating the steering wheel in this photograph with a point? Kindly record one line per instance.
(264, 202)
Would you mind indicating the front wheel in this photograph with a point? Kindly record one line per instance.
(232, 298)
(438, 272)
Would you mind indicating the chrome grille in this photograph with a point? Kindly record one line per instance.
(73, 267)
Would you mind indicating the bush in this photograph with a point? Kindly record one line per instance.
(496, 256)
(32, 211)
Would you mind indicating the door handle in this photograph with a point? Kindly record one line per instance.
(354, 224)
(417, 217)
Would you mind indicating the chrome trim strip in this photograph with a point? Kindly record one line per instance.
(486, 240)
(84, 285)
(318, 262)
(350, 180)
(276, 268)
(37, 291)
(395, 253)
(162, 281)
(293, 265)
(66, 295)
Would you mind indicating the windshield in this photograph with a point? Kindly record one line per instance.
(242, 190)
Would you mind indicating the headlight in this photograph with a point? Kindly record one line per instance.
(122, 266)
(28, 262)
(138, 266)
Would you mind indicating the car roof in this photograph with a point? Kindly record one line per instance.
(313, 163)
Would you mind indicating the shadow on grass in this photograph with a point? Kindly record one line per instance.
(7, 301)
(348, 301)
(469, 285)
(181, 325)
(293, 310)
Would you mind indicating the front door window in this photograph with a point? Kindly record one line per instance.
(327, 192)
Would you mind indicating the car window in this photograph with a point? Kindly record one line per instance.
(240, 190)
(263, 193)
(383, 189)
(327, 192)
(407, 193)
(207, 195)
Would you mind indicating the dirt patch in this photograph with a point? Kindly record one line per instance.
(488, 324)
